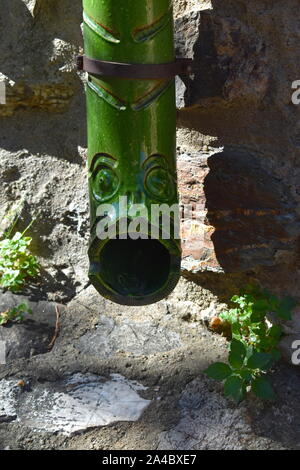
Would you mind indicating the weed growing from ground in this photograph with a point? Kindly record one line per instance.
(253, 349)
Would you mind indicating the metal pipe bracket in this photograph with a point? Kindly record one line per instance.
(129, 71)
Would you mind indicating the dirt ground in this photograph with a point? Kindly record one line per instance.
(159, 352)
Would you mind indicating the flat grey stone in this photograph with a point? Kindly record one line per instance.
(74, 404)
(33, 335)
(129, 336)
(8, 391)
(209, 422)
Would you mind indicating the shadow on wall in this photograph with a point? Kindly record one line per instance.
(38, 49)
(232, 73)
(252, 187)
(30, 130)
(252, 211)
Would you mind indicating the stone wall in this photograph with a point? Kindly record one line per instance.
(238, 140)
(247, 178)
(43, 138)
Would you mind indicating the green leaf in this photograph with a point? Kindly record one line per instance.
(236, 329)
(273, 301)
(16, 262)
(218, 371)
(262, 305)
(231, 316)
(275, 331)
(249, 350)
(286, 305)
(235, 387)
(263, 389)
(17, 236)
(22, 306)
(276, 354)
(258, 316)
(259, 360)
(246, 375)
(237, 354)
(15, 314)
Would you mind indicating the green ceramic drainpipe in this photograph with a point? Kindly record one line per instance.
(131, 150)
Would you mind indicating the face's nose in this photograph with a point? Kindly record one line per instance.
(135, 197)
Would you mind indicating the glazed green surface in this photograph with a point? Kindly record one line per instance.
(131, 123)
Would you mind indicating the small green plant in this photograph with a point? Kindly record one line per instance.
(15, 314)
(253, 349)
(17, 264)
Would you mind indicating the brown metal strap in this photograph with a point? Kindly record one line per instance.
(134, 71)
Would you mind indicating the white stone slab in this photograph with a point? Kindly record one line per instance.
(81, 402)
(75, 404)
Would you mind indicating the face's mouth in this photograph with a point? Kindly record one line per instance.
(135, 272)
(134, 267)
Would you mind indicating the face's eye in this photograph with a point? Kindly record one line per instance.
(105, 184)
(104, 178)
(159, 183)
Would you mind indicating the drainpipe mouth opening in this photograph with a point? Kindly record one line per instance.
(135, 271)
